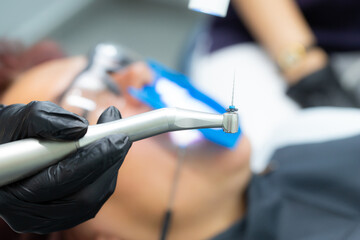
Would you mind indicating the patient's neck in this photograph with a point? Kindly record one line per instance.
(209, 198)
(224, 176)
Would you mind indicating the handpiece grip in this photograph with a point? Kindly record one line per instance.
(22, 158)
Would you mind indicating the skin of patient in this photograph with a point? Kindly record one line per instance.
(212, 183)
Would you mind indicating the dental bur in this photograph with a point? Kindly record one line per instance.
(23, 158)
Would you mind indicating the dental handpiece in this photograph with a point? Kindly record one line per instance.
(22, 158)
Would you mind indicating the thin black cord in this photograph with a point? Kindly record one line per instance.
(166, 224)
(169, 212)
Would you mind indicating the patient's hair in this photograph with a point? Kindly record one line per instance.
(15, 58)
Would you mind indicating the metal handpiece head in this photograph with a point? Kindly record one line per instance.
(231, 122)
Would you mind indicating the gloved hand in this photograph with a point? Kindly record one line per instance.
(321, 88)
(71, 191)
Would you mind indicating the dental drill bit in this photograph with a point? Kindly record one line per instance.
(232, 106)
(231, 112)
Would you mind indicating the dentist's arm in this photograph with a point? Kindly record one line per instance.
(281, 28)
(284, 32)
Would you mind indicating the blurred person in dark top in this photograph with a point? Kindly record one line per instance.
(296, 39)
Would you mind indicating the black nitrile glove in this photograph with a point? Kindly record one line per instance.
(71, 191)
(321, 88)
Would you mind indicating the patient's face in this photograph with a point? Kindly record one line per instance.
(210, 175)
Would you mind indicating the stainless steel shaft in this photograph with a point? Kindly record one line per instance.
(22, 158)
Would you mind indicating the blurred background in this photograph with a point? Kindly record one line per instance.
(154, 28)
